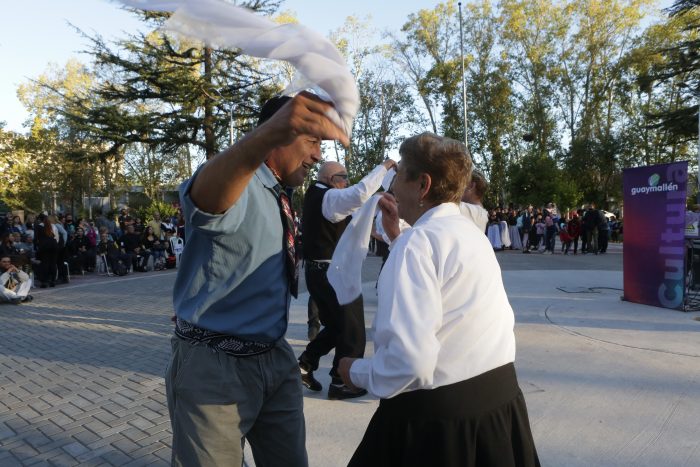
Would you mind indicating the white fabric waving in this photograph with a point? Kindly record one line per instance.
(221, 24)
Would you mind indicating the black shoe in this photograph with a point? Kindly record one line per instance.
(52, 284)
(337, 392)
(307, 376)
(28, 298)
(15, 301)
(43, 285)
(311, 383)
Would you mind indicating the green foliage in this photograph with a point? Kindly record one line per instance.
(536, 179)
(561, 96)
(165, 210)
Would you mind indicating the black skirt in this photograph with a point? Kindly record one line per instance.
(478, 422)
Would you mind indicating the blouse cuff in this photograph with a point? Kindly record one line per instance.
(359, 372)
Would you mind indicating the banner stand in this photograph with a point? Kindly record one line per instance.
(658, 261)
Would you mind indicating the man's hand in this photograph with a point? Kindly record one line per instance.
(344, 371)
(12, 268)
(389, 164)
(223, 178)
(390, 215)
(305, 114)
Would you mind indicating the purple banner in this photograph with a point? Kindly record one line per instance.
(654, 243)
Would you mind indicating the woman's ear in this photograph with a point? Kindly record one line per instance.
(425, 184)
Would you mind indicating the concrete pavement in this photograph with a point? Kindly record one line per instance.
(607, 382)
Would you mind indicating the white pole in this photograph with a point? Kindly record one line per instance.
(464, 88)
(230, 124)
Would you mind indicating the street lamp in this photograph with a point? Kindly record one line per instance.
(230, 117)
(464, 86)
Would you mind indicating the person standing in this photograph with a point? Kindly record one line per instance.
(574, 229)
(232, 375)
(591, 219)
(471, 205)
(155, 225)
(47, 240)
(603, 232)
(328, 204)
(444, 344)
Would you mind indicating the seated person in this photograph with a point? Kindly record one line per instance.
(168, 226)
(112, 253)
(81, 254)
(153, 247)
(130, 243)
(7, 247)
(106, 231)
(14, 284)
(25, 245)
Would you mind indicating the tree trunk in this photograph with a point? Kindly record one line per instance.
(209, 137)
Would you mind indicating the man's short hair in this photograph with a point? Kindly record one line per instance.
(271, 107)
(480, 184)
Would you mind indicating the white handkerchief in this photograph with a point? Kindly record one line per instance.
(388, 178)
(222, 24)
(345, 271)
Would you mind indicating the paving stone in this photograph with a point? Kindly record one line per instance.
(75, 449)
(24, 451)
(6, 432)
(116, 457)
(86, 437)
(63, 460)
(37, 439)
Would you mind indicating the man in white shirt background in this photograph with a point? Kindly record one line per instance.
(328, 205)
(14, 283)
(471, 206)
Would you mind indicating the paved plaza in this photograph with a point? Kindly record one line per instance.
(607, 382)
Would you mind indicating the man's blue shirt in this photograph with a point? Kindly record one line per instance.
(232, 277)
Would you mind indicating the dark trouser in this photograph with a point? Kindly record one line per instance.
(575, 244)
(603, 240)
(48, 255)
(550, 238)
(584, 240)
(313, 322)
(343, 325)
(82, 260)
(593, 241)
(115, 258)
(137, 260)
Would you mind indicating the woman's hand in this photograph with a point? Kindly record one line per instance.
(344, 371)
(390, 215)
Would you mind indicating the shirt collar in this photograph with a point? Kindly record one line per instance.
(266, 176)
(441, 210)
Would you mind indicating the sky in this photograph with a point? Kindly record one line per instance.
(35, 33)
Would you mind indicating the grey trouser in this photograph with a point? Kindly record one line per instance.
(217, 400)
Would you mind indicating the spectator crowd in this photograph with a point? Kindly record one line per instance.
(537, 230)
(49, 248)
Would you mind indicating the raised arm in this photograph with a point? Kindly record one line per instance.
(338, 203)
(223, 178)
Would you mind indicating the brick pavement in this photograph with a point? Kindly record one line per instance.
(81, 374)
